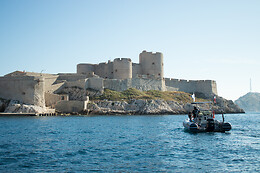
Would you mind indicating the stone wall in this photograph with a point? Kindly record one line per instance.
(145, 84)
(79, 83)
(26, 89)
(190, 86)
(104, 70)
(95, 83)
(138, 83)
(150, 64)
(52, 99)
(117, 84)
(71, 106)
(136, 70)
(70, 77)
(48, 82)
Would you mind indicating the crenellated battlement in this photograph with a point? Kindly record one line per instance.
(190, 86)
(188, 81)
(123, 59)
(150, 66)
(152, 53)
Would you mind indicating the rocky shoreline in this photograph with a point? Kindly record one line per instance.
(132, 107)
(14, 106)
(156, 107)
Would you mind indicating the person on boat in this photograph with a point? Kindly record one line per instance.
(190, 116)
(195, 112)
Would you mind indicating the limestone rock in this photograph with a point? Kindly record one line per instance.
(226, 106)
(155, 107)
(17, 107)
(135, 107)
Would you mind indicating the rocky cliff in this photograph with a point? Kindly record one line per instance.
(145, 107)
(133, 101)
(14, 106)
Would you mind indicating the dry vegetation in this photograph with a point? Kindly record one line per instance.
(132, 93)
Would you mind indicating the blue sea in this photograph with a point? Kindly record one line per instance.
(127, 144)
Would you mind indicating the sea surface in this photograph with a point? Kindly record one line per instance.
(127, 144)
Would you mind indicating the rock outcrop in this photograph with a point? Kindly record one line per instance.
(223, 105)
(134, 106)
(16, 107)
(145, 107)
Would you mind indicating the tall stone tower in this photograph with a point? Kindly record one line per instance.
(151, 64)
(122, 68)
(85, 68)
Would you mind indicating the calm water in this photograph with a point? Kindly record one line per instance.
(126, 144)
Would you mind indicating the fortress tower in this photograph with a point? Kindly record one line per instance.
(85, 68)
(151, 64)
(122, 68)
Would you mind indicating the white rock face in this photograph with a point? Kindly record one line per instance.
(156, 107)
(136, 107)
(16, 107)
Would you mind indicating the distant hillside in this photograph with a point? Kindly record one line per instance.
(249, 102)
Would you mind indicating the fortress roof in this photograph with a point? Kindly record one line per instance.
(24, 73)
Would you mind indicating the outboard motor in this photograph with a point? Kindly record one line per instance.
(210, 125)
(226, 126)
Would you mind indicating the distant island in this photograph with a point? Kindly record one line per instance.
(113, 87)
(249, 102)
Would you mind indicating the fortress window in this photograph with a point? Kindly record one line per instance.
(23, 93)
(116, 70)
(62, 97)
(147, 74)
(159, 74)
(153, 63)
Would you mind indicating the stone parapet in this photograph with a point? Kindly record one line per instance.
(190, 86)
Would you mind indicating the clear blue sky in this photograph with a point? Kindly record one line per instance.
(200, 39)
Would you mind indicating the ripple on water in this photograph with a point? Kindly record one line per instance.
(125, 144)
(4, 146)
(8, 160)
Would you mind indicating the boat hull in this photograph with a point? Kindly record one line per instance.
(210, 126)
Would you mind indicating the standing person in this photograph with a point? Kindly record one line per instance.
(190, 116)
(195, 112)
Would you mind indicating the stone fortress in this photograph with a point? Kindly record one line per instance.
(150, 64)
(68, 92)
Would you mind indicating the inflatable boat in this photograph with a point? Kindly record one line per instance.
(204, 121)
